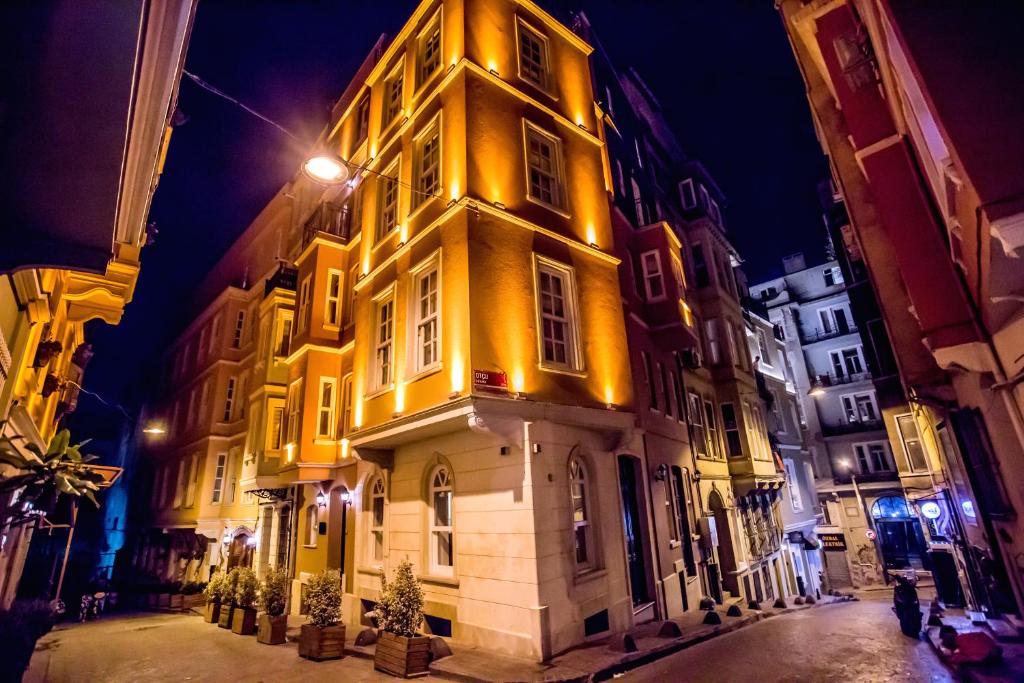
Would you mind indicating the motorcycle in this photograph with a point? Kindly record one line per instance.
(907, 606)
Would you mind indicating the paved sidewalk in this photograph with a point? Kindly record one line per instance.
(604, 659)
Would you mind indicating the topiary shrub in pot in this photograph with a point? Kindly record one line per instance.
(227, 598)
(214, 597)
(400, 650)
(25, 622)
(324, 636)
(246, 591)
(273, 622)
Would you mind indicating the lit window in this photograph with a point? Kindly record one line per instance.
(393, 94)
(442, 553)
(428, 165)
(426, 315)
(312, 525)
(558, 323)
(193, 480)
(387, 199)
(236, 338)
(429, 52)
(383, 359)
(582, 531)
(533, 56)
(282, 344)
(301, 318)
(912, 443)
(332, 311)
(833, 276)
(294, 408)
(218, 477)
(229, 399)
(377, 519)
(325, 417)
(346, 403)
(544, 163)
(179, 488)
(654, 283)
(276, 428)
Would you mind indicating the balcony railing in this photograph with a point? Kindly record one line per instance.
(327, 220)
(841, 477)
(822, 335)
(851, 427)
(837, 380)
(283, 278)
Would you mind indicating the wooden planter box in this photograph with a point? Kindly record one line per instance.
(195, 600)
(212, 614)
(153, 600)
(320, 643)
(244, 621)
(165, 601)
(401, 656)
(272, 630)
(177, 601)
(227, 613)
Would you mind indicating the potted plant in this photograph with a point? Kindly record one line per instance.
(400, 650)
(227, 600)
(244, 621)
(214, 596)
(323, 637)
(192, 594)
(273, 622)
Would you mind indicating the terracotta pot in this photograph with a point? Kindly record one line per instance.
(322, 642)
(272, 630)
(227, 613)
(244, 621)
(402, 656)
(212, 613)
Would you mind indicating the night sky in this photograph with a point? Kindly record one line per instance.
(722, 70)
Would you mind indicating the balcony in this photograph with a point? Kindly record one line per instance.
(328, 221)
(838, 380)
(865, 477)
(283, 278)
(822, 335)
(852, 427)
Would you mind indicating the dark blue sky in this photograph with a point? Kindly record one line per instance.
(722, 70)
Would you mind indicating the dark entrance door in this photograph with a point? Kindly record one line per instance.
(633, 527)
(901, 546)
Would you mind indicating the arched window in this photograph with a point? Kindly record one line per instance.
(890, 507)
(442, 552)
(377, 519)
(312, 524)
(582, 530)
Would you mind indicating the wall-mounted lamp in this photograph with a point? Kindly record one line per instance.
(345, 496)
(251, 541)
(661, 473)
(226, 539)
(321, 499)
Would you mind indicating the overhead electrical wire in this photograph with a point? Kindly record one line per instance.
(266, 119)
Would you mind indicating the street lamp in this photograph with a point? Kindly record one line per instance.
(326, 169)
(154, 428)
(816, 390)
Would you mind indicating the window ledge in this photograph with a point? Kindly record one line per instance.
(563, 370)
(439, 580)
(383, 239)
(674, 544)
(588, 575)
(427, 372)
(419, 207)
(306, 545)
(550, 207)
(370, 569)
(379, 392)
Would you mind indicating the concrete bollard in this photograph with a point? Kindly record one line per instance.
(366, 637)
(707, 603)
(810, 600)
(712, 618)
(754, 604)
(624, 642)
(669, 629)
(780, 603)
(439, 648)
(799, 600)
(734, 611)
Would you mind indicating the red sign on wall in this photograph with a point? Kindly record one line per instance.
(490, 380)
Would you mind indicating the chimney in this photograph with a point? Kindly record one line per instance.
(794, 262)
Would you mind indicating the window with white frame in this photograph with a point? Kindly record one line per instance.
(193, 480)
(679, 275)
(730, 339)
(714, 346)
(793, 486)
(275, 438)
(393, 88)
(583, 532)
(559, 324)
(350, 299)
(442, 528)
(860, 407)
(346, 403)
(912, 446)
(229, 399)
(427, 168)
(384, 342)
(834, 319)
(762, 347)
(832, 276)
(671, 511)
(428, 50)
(218, 477)
(377, 520)
(387, 201)
(731, 429)
(533, 56)
(847, 362)
(214, 333)
(873, 457)
(687, 194)
(294, 408)
(312, 525)
(654, 282)
(696, 414)
(332, 307)
(236, 337)
(544, 167)
(327, 406)
(179, 484)
(426, 316)
(234, 467)
(283, 336)
(300, 315)
(711, 422)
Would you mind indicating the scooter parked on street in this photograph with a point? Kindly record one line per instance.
(907, 607)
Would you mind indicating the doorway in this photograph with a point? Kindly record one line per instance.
(899, 534)
(634, 529)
